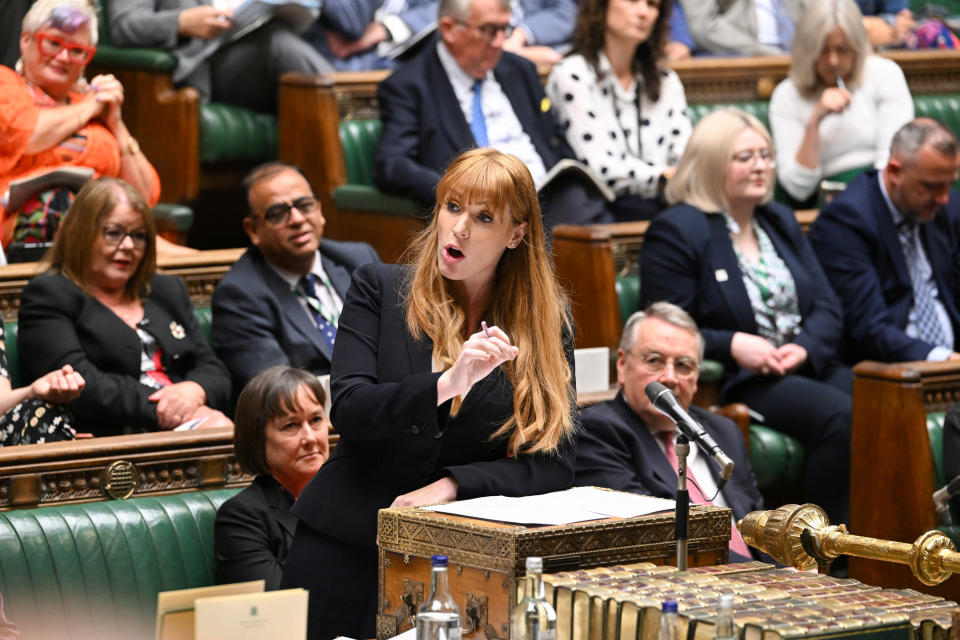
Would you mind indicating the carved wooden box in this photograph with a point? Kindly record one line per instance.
(487, 558)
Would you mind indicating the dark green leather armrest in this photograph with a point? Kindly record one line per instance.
(134, 58)
(711, 372)
(361, 197)
(777, 460)
(173, 216)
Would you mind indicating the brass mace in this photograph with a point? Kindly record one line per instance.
(802, 536)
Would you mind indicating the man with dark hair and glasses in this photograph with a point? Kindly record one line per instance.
(281, 301)
(465, 90)
(628, 445)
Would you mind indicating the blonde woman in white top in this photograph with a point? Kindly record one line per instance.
(840, 106)
(624, 115)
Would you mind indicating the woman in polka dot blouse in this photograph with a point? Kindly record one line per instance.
(624, 115)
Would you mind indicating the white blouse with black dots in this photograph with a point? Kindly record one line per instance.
(629, 150)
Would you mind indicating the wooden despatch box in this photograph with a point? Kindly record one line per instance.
(487, 558)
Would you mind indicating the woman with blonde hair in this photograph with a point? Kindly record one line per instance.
(741, 266)
(840, 106)
(452, 378)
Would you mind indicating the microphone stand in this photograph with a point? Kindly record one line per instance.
(682, 514)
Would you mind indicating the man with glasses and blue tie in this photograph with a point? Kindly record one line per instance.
(463, 90)
(628, 445)
(281, 301)
(891, 249)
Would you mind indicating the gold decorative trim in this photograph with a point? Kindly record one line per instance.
(120, 479)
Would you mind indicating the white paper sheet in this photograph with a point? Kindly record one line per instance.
(579, 504)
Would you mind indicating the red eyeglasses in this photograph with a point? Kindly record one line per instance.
(51, 45)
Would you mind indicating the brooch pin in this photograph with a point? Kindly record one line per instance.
(177, 330)
(545, 105)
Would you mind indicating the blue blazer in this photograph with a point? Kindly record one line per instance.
(393, 436)
(858, 245)
(424, 127)
(688, 259)
(258, 322)
(616, 450)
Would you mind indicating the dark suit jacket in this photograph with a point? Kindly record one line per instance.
(253, 532)
(60, 324)
(393, 436)
(424, 127)
(616, 450)
(258, 322)
(688, 259)
(857, 244)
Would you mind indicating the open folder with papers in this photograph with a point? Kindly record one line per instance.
(579, 504)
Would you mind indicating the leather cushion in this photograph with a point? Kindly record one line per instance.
(229, 133)
(94, 570)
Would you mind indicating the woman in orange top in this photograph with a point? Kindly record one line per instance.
(50, 117)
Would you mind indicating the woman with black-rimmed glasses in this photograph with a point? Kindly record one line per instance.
(130, 332)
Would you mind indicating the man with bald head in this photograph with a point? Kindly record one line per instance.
(464, 90)
(889, 245)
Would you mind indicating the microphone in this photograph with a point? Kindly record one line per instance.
(666, 403)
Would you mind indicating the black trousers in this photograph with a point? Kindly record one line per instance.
(817, 413)
(342, 581)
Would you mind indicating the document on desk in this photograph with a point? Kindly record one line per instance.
(579, 504)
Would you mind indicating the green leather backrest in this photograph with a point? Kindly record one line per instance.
(204, 317)
(935, 433)
(230, 133)
(628, 295)
(103, 26)
(359, 140)
(10, 330)
(758, 108)
(94, 570)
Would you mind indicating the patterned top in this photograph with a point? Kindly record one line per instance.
(626, 140)
(92, 145)
(770, 287)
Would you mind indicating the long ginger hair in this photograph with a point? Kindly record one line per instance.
(527, 301)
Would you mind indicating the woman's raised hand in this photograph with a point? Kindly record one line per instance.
(62, 385)
(832, 100)
(483, 352)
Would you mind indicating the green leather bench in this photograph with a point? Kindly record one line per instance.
(204, 317)
(93, 570)
(359, 140)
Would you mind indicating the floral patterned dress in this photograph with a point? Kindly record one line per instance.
(33, 420)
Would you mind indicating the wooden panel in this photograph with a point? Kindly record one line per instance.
(705, 79)
(201, 271)
(163, 462)
(891, 466)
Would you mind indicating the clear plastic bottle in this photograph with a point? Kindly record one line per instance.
(726, 629)
(533, 618)
(668, 621)
(439, 617)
